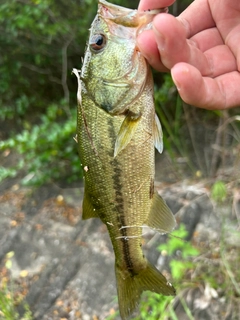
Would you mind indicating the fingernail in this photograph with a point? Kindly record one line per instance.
(181, 71)
(176, 82)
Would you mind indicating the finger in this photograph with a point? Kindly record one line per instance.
(148, 47)
(232, 40)
(224, 14)
(170, 36)
(220, 60)
(207, 93)
(197, 17)
(207, 39)
(154, 4)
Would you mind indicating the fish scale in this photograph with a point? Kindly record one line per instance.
(117, 130)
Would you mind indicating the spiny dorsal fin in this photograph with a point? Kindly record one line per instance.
(87, 207)
(157, 134)
(161, 217)
(126, 131)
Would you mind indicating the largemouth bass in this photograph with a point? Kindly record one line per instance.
(117, 130)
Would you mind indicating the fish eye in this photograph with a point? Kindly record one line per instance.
(97, 42)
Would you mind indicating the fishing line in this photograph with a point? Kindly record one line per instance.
(131, 237)
(160, 231)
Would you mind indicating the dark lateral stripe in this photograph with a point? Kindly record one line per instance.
(121, 219)
(119, 202)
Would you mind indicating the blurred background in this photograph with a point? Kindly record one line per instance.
(41, 41)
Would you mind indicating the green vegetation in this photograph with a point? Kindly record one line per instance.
(157, 307)
(8, 299)
(154, 306)
(43, 40)
(212, 268)
(46, 151)
(219, 191)
(176, 243)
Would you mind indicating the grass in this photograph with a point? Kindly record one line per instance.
(8, 297)
(211, 269)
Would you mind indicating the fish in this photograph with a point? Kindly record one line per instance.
(117, 130)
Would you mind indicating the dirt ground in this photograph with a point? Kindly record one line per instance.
(63, 267)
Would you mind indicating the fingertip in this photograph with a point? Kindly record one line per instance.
(180, 74)
(146, 43)
(189, 83)
(205, 92)
(170, 39)
(161, 19)
(167, 24)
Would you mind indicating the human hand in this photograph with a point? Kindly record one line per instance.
(200, 47)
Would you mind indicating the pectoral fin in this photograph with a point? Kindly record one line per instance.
(88, 209)
(158, 135)
(126, 131)
(160, 217)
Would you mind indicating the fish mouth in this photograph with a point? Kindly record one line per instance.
(127, 17)
(125, 24)
(117, 89)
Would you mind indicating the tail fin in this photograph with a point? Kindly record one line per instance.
(130, 288)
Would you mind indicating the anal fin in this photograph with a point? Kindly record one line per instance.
(88, 209)
(161, 217)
